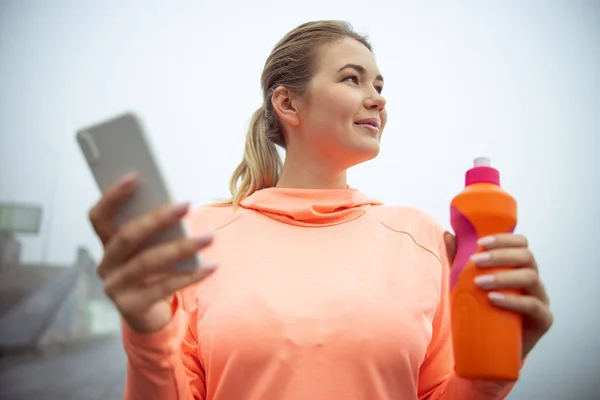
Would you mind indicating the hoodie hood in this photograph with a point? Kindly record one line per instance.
(309, 207)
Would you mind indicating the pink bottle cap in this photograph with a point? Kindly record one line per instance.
(482, 172)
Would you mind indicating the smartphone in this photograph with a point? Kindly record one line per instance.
(118, 146)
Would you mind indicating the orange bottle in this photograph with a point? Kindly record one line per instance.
(486, 338)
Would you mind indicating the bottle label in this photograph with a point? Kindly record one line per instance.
(466, 243)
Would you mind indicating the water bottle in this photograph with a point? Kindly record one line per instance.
(486, 338)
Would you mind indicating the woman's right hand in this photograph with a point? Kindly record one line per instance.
(142, 283)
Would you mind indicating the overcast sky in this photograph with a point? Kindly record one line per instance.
(515, 81)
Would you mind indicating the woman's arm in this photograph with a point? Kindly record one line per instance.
(164, 364)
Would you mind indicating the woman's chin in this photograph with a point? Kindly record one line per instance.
(367, 150)
(370, 146)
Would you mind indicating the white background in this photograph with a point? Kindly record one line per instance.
(516, 81)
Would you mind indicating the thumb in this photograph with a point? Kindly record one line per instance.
(450, 242)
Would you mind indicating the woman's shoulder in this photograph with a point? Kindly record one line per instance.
(423, 227)
(212, 217)
(404, 215)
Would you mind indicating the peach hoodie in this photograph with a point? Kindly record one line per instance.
(320, 295)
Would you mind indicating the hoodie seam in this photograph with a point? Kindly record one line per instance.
(414, 240)
(231, 221)
(436, 256)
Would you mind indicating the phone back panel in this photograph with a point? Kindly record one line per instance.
(117, 147)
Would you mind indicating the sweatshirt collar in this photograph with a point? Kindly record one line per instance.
(309, 207)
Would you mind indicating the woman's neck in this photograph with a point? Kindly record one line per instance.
(310, 175)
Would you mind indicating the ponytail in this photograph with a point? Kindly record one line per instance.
(261, 164)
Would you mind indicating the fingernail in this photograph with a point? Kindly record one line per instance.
(486, 241)
(481, 257)
(127, 180)
(203, 239)
(484, 281)
(180, 209)
(209, 266)
(496, 297)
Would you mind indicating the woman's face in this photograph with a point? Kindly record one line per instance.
(343, 115)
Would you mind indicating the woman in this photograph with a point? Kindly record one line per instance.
(321, 292)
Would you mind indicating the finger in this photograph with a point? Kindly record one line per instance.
(530, 306)
(131, 235)
(146, 296)
(450, 242)
(503, 240)
(526, 279)
(505, 257)
(157, 261)
(102, 215)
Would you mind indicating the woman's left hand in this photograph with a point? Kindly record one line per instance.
(512, 250)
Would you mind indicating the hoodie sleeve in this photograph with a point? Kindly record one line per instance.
(437, 380)
(164, 364)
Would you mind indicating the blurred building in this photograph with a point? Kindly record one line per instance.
(46, 305)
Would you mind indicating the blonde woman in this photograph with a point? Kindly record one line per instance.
(320, 292)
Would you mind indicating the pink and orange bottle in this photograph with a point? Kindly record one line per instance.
(486, 339)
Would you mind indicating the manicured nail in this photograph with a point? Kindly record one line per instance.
(180, 209)
(484, 281)
(127, 180)
(486, 241)
(204, 239)
(481, 257)
(209, 266)
(496, 297)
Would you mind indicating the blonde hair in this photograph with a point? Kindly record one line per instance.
(291, 64)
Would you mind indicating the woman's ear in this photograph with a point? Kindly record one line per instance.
(285, 105)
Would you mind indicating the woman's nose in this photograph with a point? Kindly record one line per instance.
(375, 101)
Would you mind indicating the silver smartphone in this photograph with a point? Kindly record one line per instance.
(118, 146)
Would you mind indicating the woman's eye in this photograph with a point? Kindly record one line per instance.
(353, 78)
